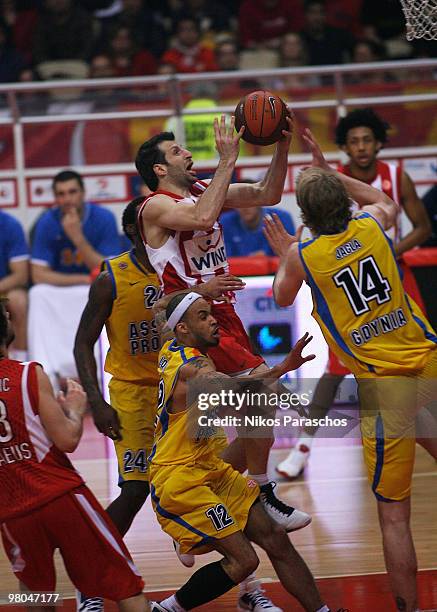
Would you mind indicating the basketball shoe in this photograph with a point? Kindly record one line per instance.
(88, 604)
(296, 461)
(254, 598)
(291, 519)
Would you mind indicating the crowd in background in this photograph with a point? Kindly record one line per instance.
(45, 39)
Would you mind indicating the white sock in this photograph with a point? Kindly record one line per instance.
(18, 354)
(323, 609)
(261, 479)
(306, 441)
(172, 605)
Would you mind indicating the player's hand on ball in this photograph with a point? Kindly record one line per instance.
(227, 141)
(277, 236)
(295, 359)
(288, 133)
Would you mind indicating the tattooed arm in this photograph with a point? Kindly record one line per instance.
(203, 377)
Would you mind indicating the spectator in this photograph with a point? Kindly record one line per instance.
(11, 61)
(31, 102)
(263, 22)
(126, 56)
(145, 23)
(101, 67)
(21, 21)
(345, 14)
(293, 53)
(227, 55)
(14, 277)
(366, 51)
(186, 53)
(325, 44)
(383, 20)
(72, 238)
(63, 31)
(243, 231)
(430, 202)
(212, 15)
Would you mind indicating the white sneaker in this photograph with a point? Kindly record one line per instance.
(184, 558)
(294, 464)
(291, 519)
(88, 604)
(256, 601)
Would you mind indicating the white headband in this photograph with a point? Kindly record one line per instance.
(181, 309)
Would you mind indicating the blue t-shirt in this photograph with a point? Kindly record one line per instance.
(241, 241)
(13, 246)
(51, 246)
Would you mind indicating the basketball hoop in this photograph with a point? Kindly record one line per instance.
(420, 18)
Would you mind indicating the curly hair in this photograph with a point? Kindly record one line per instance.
(361, 117)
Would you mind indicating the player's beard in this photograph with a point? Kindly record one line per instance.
(206, 343)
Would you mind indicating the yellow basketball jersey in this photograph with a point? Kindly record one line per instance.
(175, 437)
(366, 317)
(132, 334)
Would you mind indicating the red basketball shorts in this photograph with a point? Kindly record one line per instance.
(94, 554)
(234, 354)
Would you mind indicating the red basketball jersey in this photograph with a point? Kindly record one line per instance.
(32, 470)
(388, 179)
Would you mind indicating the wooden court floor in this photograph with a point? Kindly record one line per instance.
(342, 546)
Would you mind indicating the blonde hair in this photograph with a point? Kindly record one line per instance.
(323, 200)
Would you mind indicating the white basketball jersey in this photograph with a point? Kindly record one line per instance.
(188, 258)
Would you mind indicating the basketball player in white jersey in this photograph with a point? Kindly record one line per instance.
(362, 134)
(184, 243)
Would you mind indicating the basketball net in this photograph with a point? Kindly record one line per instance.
(421, 18)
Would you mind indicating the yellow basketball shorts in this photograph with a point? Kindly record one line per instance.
(199, 503)
(136, 409)
(388, 407)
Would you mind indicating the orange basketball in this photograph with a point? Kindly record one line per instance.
(264, 116)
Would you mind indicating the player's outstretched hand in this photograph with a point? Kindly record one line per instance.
(220, 285)
(227, 140)
(318, 160)
(295, 359)
(106, 420)
(277, 236)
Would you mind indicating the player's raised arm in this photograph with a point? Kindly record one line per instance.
(377, 203)
(290, 274)
(201, 215)
(269, 190)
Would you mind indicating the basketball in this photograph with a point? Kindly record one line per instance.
(264, 116)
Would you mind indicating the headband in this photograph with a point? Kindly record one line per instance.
(181, 309)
